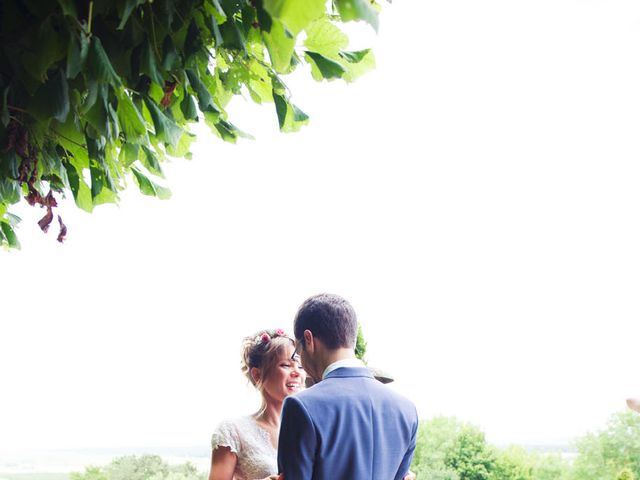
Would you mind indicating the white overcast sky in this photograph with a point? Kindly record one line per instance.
(476, 198)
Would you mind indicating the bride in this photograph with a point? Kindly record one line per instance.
(246, 448)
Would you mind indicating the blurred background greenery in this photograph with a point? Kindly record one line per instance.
(447, 449)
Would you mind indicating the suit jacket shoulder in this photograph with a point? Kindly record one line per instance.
(351, 425)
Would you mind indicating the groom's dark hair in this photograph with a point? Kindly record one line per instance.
(330, 318)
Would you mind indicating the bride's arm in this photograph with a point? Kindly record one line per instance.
(223, 464)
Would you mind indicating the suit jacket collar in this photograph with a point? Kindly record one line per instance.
(346, 372)
(346, 362)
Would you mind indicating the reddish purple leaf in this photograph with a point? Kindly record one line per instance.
(45, 221)
(63, 230)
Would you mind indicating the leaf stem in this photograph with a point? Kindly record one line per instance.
(80, 26)
(16, 119)
(153, 31)
(90, 16)
(67, 139)
(17, 109)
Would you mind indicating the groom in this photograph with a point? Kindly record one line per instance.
(348, 425)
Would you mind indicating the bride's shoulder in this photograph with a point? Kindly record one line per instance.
(233, 423)
(228, 433)
(236, 424)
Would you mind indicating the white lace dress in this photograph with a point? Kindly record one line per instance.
(252, 444)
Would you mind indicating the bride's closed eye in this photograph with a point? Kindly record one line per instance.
(290, 365)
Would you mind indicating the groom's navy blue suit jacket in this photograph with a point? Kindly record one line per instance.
(349, 426)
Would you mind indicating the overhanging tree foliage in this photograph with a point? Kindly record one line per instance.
(96, 93)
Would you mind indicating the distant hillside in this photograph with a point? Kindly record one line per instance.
(34, 476)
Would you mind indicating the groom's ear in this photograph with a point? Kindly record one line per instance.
(309, 340)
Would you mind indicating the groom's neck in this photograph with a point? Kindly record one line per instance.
(333, 356)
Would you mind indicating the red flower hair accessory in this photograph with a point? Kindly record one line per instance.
(266, 336)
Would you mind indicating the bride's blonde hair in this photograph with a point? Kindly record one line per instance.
(262, 350)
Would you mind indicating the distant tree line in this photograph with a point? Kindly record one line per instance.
(145, 467)
(448, 449)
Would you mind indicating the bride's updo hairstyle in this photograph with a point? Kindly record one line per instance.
(262, 350)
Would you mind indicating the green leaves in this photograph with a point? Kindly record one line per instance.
(205, 100)
(231, 36)
(358, 10)
(68, 8)
(188, 107)
(290, 117)
(148, 187)
(325, 38)
(618, 443)
(280, 46)
(80, 190)
(52, 98)
(323, 67)
(150, 160)
(77, 52)
(357, 63)
(328, 60)
(166, 130)
(170, 56)
(100, 174)
(217, 11)
(259, 83)
(7, 235)
(9, 191)
(98, 115)
(294, 14)
(131, 121)
(193, 42)
(95, 93)
(125, 8)
(48, 47)
(148, 63)
(99, 67)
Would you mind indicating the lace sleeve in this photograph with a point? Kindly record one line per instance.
(226, 435)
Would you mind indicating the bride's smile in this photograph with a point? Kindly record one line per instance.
(286, 378)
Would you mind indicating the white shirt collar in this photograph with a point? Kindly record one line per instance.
(347, 362)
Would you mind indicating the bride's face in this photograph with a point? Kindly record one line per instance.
(287, 377)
